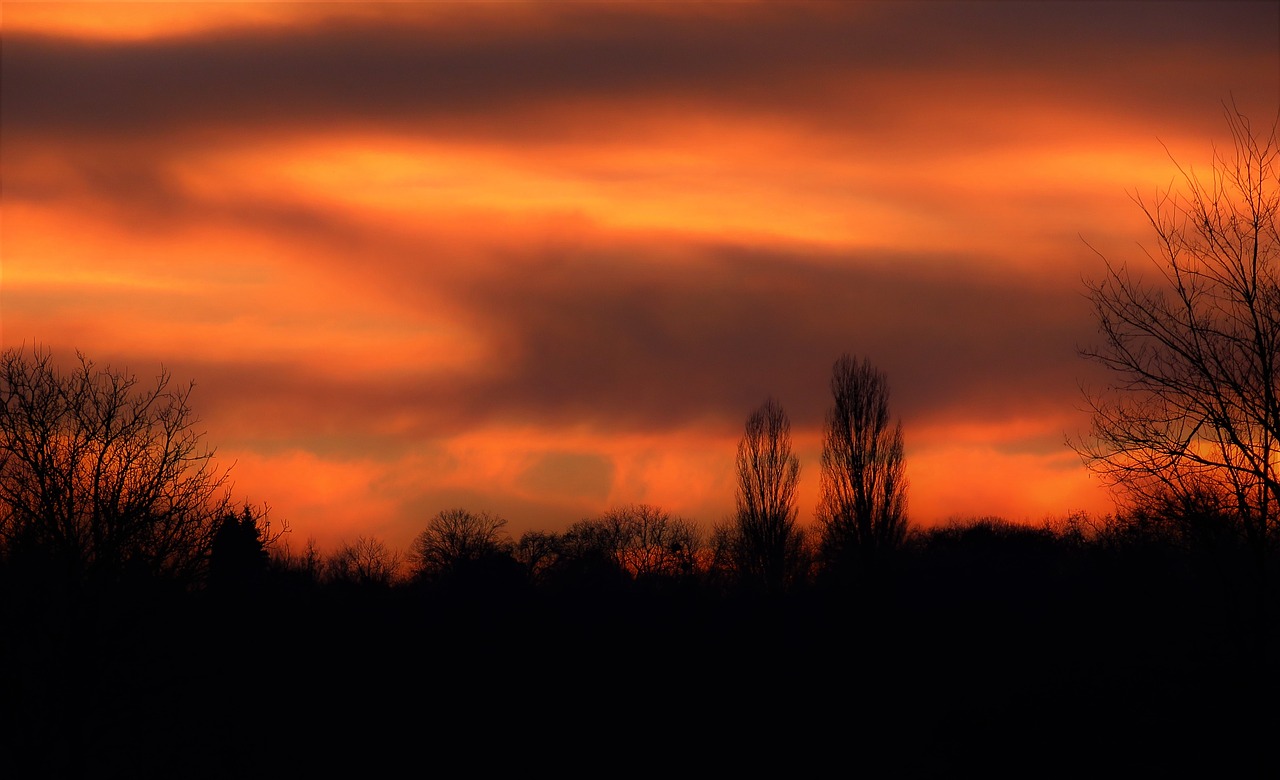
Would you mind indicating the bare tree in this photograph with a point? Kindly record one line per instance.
(538, 552)
(101, 474)
(637, 541)
(306, 566)
(764, 545)
(862, 506)
(455, 538)
(650, 542)
(1194, 348)
(367, 562)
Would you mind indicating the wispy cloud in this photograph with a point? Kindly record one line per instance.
(540, 258)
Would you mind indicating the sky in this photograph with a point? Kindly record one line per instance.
(543, 259)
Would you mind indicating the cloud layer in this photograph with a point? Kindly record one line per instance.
(545, 258)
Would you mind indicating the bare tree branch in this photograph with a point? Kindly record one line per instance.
(1194, 349)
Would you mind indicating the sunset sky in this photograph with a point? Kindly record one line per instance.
(542, 259)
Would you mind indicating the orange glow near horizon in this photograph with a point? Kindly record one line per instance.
(418, 256)
(689, 476)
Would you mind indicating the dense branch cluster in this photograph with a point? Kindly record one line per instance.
(1193, 415)
(101, 475)
(863, 506)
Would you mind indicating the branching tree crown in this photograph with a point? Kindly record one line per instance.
(367, 562)
(647, 541)
(862, 506)
(456, 538)
(1194, 349)
(101, 474)
(765, 542)
(635, 541)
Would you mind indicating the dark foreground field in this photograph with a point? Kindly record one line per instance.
(1007, 662)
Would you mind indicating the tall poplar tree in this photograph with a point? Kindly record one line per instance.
(766, 541)
(862, 508)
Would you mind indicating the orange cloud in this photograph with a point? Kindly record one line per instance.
(542, 259)
(112, 20)
(978, 481)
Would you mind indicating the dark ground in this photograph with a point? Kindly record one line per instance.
(1022, 671)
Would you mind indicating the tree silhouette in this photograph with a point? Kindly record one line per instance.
(458, 542)
(365, 562)
(238, 555)
(626, 548)
(584, 561)
(862, 510)
(100, 475)
(538, 552)
(764, 545)
(650, 543)
(1193, 410)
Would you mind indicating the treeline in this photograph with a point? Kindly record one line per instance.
(151, 628)
(1083, 642)
(642, 549)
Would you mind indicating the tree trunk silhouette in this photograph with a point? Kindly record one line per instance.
(766, 543)
(862, 509)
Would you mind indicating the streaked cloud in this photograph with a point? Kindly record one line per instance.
(544, 258)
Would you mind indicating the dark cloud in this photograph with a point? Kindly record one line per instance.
(588, 336)
(485, 72)
(610, 338)
(569, 474)
(637, 331)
